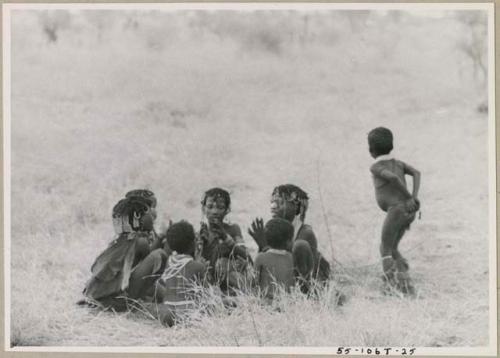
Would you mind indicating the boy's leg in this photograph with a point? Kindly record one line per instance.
(398, 219)
(146, 273)
(410, 217)
(392, 230)
(401, 262)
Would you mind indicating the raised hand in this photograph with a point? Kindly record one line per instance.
(257, 233)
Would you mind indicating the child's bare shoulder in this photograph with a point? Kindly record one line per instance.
(377, 167)
(265, 258)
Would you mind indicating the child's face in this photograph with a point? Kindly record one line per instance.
(282, 208)
(215, 210)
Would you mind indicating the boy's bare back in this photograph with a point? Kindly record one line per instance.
(389, 179)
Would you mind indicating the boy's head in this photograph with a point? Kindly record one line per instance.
(147, 195)
(380, 141)
(288, 201)
(181, 237)
(216, 204)
(278, 233)
(132, 214)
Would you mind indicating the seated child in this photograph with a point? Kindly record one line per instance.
(156, 241)
(176, 290)
(289, 202)
(274, 268)
(115, 266)
(394, 198)
(221, 243)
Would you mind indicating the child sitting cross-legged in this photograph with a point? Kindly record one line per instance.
(274, 268)
(176, 290)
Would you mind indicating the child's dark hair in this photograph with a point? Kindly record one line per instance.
(146, 194)
(297, 195)
(288, 190)
(217, 193)
(181, 237)
(278, 232)
(130, 206)
(380, 141)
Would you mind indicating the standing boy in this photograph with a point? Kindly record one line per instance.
(394, 198)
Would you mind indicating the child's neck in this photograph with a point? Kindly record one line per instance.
(388, 156)
(277, 251)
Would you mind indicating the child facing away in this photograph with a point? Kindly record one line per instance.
(221, 244)
(274, 267)
(400, 205)
(177, 289)
(115, 271)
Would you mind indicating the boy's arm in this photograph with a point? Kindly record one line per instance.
(234, 241)
(142, 248)
(157, 241)
(416, 179)
(236, 234)
(389, 176)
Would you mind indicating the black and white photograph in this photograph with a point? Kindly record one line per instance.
(250, 178)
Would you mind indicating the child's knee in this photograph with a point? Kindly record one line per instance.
(301, 248)
(159, 258)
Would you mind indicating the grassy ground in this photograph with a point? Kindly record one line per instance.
(177, 108)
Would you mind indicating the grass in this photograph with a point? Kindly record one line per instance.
(95, 116)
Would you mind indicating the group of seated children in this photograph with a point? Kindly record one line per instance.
(165, 272)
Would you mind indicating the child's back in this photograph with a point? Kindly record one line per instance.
(387, 194)
(179, 280)
(274, 268)
(176, 290)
